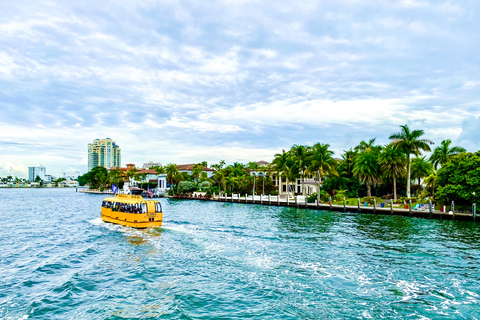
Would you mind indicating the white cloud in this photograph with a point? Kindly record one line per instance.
(234, 80)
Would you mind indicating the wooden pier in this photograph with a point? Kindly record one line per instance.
(378, 209)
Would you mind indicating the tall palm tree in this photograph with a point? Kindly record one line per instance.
(299, 153)
(409, 142)
(219, 177)
(115, 176)
(197, 171)
(131, 173)
(421, 168)
(172, 173)
(367, 169)
(291, 173)
(444, 153)
(392, 162)
(432, 181)
(158, 169)
(349, 157)
(253, 166)
(321, 162)
(280, 161)
(363, 145)
(231, 182)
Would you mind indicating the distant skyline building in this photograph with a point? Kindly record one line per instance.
(104, 153)
(150, 164)
(39, 171)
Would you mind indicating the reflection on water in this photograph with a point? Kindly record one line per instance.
(305, 221)
(385, 227)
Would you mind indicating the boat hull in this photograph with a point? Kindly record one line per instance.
(133, 220)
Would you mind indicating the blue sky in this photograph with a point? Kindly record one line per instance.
(186, 81)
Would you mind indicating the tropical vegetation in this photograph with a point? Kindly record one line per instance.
(399, 170)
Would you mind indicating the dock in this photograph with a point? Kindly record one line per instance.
(296, 202)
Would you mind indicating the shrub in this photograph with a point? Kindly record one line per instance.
(311, 198)
(186, 186)
(204, 186)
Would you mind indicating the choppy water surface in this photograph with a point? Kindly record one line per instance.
(58, 260)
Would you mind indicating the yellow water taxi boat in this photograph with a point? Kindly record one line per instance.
(132, 210)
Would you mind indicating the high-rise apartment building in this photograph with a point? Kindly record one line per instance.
(34, 172)
(103, 152)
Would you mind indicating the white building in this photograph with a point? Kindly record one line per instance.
(71, 175)
(150, 164)
(39, 171)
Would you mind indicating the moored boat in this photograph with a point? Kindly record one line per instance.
(132, 210)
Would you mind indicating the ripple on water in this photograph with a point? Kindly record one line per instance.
(223, 260)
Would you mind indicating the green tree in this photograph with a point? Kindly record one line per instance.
(321, 162)
(444, 153)
(432, 181)
(410, 143)
(392, 162)
(421, 168)
(367, 146)
(158, 169)
(141, 176)
(299, 153)
(367, 169)
(172, 173)
(218, 166)
(291, 173)
(204, 186)
(253, 167)
(116, 176)
(231, 182)
(131, 173)
(197, 171)
(186, 186)
(97, 177)
(280, 162)
(459, 179)
(219, 177)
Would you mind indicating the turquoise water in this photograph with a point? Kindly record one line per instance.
(58, 260)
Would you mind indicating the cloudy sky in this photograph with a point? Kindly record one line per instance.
(186, 81)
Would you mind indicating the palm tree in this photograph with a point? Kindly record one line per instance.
(392, 162)
(321, 163)
(443, 153)
(231, 182)
(218, 166)
(115, 176)
(218, 176)
(291, 173)
(158, 169)
(299, 153)
(421, 168)
(349, 157)
(141, 176)
(197, 171)
(131, 173)
(409, 142)
(172, 173)
(365, 146)
(367, 169)
(431, 182)
(280, 161)
(253, 166)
